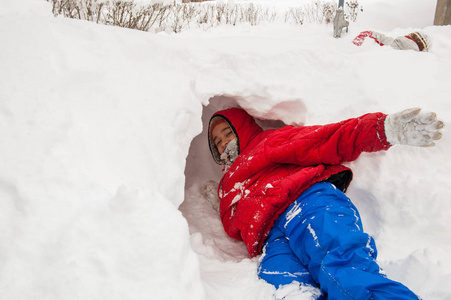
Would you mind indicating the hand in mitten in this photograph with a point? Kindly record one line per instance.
(358, 40)
(378, 37)
(411, 127)
(210, 192)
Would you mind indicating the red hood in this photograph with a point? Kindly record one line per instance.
(243, 125)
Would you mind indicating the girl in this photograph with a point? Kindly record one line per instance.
(282, 193)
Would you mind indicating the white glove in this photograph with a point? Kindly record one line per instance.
(210, 192)
(410, 127)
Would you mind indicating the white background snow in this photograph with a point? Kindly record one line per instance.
(103, 148)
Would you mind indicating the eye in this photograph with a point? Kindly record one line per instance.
(217, 144)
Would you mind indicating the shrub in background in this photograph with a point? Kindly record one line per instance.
(179, 16)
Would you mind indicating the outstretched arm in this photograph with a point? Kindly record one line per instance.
(414, 41)
(345, 141)
(328, 144)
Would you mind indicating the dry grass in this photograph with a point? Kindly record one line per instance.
(177, 17)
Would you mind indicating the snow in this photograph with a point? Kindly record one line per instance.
(315, 237)
(293, 212)
(103, 148)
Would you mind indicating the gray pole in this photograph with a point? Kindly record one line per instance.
(340, 3)
(442, 12)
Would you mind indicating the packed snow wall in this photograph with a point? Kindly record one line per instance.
(91, 162)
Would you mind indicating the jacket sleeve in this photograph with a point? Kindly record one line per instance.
(384, 40)
(328, 144)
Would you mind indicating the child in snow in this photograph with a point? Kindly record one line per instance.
(282, 193)
(414, 41)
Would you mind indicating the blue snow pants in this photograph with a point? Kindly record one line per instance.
(319, 241)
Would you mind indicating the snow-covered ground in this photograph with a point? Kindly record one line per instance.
(103, 148)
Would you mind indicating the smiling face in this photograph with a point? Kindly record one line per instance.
(222, 134)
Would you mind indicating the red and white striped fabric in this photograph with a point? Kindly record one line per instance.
(358, 40)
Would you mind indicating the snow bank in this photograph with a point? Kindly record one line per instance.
(92, 160)
(96, 123)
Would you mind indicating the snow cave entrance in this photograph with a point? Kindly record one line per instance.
(207, 233)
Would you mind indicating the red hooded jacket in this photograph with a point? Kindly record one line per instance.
(276, 166)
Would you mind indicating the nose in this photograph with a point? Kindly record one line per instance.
(222, 147)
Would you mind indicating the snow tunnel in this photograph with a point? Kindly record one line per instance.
(207, 233)
(224, 263)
